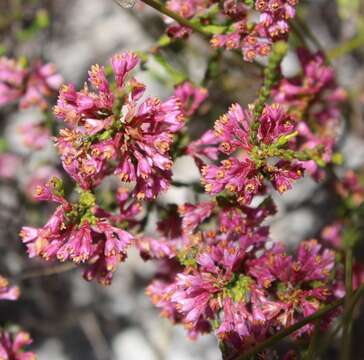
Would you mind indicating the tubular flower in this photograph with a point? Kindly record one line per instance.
(110, 133)
(12, 344)
(205, 147)
(302, 284)
(209, 257)
(253, 38)
(8, 292)
(187, 9)
(313, 100)
(191, 97)
(244, 176)
(30, 85)
(256, 39)
(75, 232)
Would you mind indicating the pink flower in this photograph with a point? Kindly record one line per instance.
(206, 147)
(191, 97)
(245, 178)
(240, 177)
(35, 135)
(43, 81)
(256, 40)
(12, 344)
(31, 85)
(186, 9)
(302, 285)
(194, 215)
(9, 164)
(12, 76)
(39, 179)
(8, 292)
(78, 233)
(136, 140)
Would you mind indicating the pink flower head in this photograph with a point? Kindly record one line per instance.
(191, 97)
(9, 164)
(8, 292)
(240, 177)
(12, 76)
(274, 123)
(39, 180)
(259, 158)
(193, 215)
(186, 9)
(302, 284)
(31, 85)
(43, 81)
(350, 186)
(333, 234)
(206, 147)
(35, 135)
(132, 143)
(77, 232)
(12, 346)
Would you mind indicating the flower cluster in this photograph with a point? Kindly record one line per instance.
(244, 174)
(240, 32)
(223, 277)
(80, 232)
(30, 85)
(218, 268)
(313, 100)
(109, 133)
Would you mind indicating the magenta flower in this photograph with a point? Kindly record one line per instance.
(132, 142)
(193, 215)
(245, 177)
(237, 176)
(35, 135)
(187, 9)
(256, 40)
(191, 97)
(39, 179)
(43, 81)
(302, 285)
(205, 147)
(30, 85)
(12, 344)
(78, 233)
(8, 292)
(12, 76)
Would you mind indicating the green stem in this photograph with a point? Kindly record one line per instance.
(271, 75)
(312, 349)
(347, 314)
(307, 31)
(346, 47)
(346, 339)
(181, 20)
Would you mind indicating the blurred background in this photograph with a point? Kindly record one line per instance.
(69, 318)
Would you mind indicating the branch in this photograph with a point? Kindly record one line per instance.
(181, 20)
(46, 271)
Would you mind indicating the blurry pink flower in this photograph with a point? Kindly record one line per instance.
(8, 292)
(12, 346)
(9, 163)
